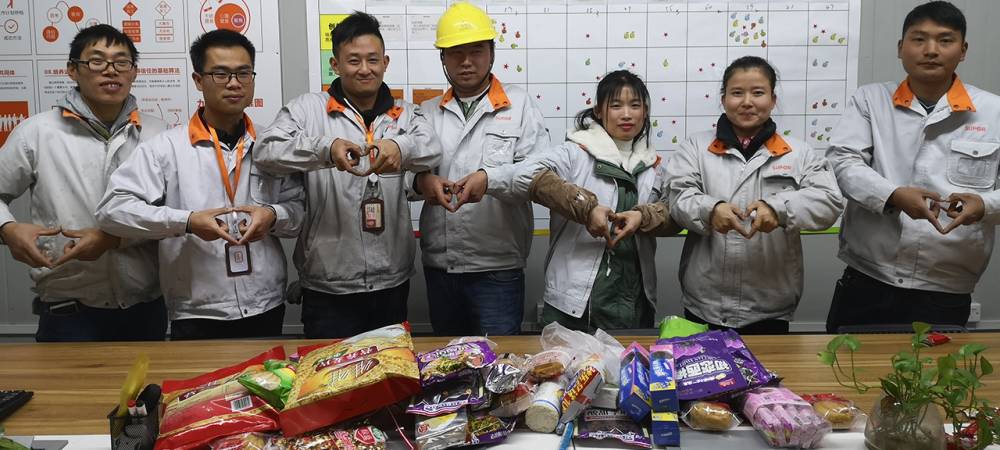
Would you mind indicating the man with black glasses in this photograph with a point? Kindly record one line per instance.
(91, 285)
(196, 189)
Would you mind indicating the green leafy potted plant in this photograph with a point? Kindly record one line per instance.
(906, 416)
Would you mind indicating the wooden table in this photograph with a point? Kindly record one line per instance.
(76, 385)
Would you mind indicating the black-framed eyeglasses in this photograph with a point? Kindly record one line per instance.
(243, 76)
(100, 64)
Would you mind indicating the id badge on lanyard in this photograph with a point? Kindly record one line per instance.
(237, 255)
(373, 207)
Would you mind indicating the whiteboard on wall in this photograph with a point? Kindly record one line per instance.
(35, 37)
(559, 49)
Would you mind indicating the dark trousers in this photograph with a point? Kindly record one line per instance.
(330, 316)
(267, 324)
(475, 304)
(862, 300)
(767, 326)
(71, 321)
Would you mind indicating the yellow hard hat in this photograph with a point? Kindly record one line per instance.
(463, 23)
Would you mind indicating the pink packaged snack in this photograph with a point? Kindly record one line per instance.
(783, 418)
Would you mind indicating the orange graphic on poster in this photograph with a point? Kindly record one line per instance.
(11, 114)
(225, 15)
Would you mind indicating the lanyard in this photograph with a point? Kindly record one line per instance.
(230, 188)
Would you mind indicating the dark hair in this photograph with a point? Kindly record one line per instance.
(92, 35)
(218, 38)
(939, 12)
(610, 88)
(747, 63)
(354, 26)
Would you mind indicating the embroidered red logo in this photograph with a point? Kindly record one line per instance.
(503, 118)
(782, 167)
(976, 128)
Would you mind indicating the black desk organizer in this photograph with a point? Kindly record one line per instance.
(135, 433)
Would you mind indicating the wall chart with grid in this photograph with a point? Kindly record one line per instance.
(559, 49)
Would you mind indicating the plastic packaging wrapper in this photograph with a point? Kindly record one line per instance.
(273, 384)
(714, 363)
(840, 412)
(453, 361)
(710, 416)
(352, 377)
(547, 365)
(449, 396)
(250, 441)
(199, 410)
(582, 389)
(354, 438)
(582, 346)
(674, 327)
(487, 429)
(610, 424)
(503, 375)
(444, 431)
(514, 402)
(784, 419)
(466, 339)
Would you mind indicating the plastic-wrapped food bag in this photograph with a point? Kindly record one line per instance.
(352, 377)
(453, 361)
(840, 412)
(444, 431)
(710, 416)
(249, 441)
(603, 424)
(783, 418)
(273, 384)
(202, 409)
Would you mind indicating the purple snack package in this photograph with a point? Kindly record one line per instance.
(597, 423)
(487, 429)
(713, 363)
(449, 396)
(453, 361)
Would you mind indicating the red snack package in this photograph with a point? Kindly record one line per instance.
(935, 339)
(201, 409)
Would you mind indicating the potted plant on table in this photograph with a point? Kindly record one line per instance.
(906, 416)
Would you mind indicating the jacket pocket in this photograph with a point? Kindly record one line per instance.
(973, 164)
(499, 147)
(775, 184)
(264, 189)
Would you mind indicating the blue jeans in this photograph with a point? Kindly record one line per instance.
(328, 316)
(475, 304)
(78, 323)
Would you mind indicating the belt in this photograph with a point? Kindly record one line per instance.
(60, 308)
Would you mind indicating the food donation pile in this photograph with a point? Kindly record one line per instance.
(372, 392)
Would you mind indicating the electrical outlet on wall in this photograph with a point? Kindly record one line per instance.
(975, 312)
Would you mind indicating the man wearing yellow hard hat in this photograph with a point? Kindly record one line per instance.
(474, 255)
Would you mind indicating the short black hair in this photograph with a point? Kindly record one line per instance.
(94, 34)
(354, 26)
(939, 12)
(610, 88)
(747, 63)
(218, 38)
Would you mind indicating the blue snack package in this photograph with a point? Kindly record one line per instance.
(662, 379)
(666, 429)
(634, 394)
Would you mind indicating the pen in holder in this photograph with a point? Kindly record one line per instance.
(137, 430)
